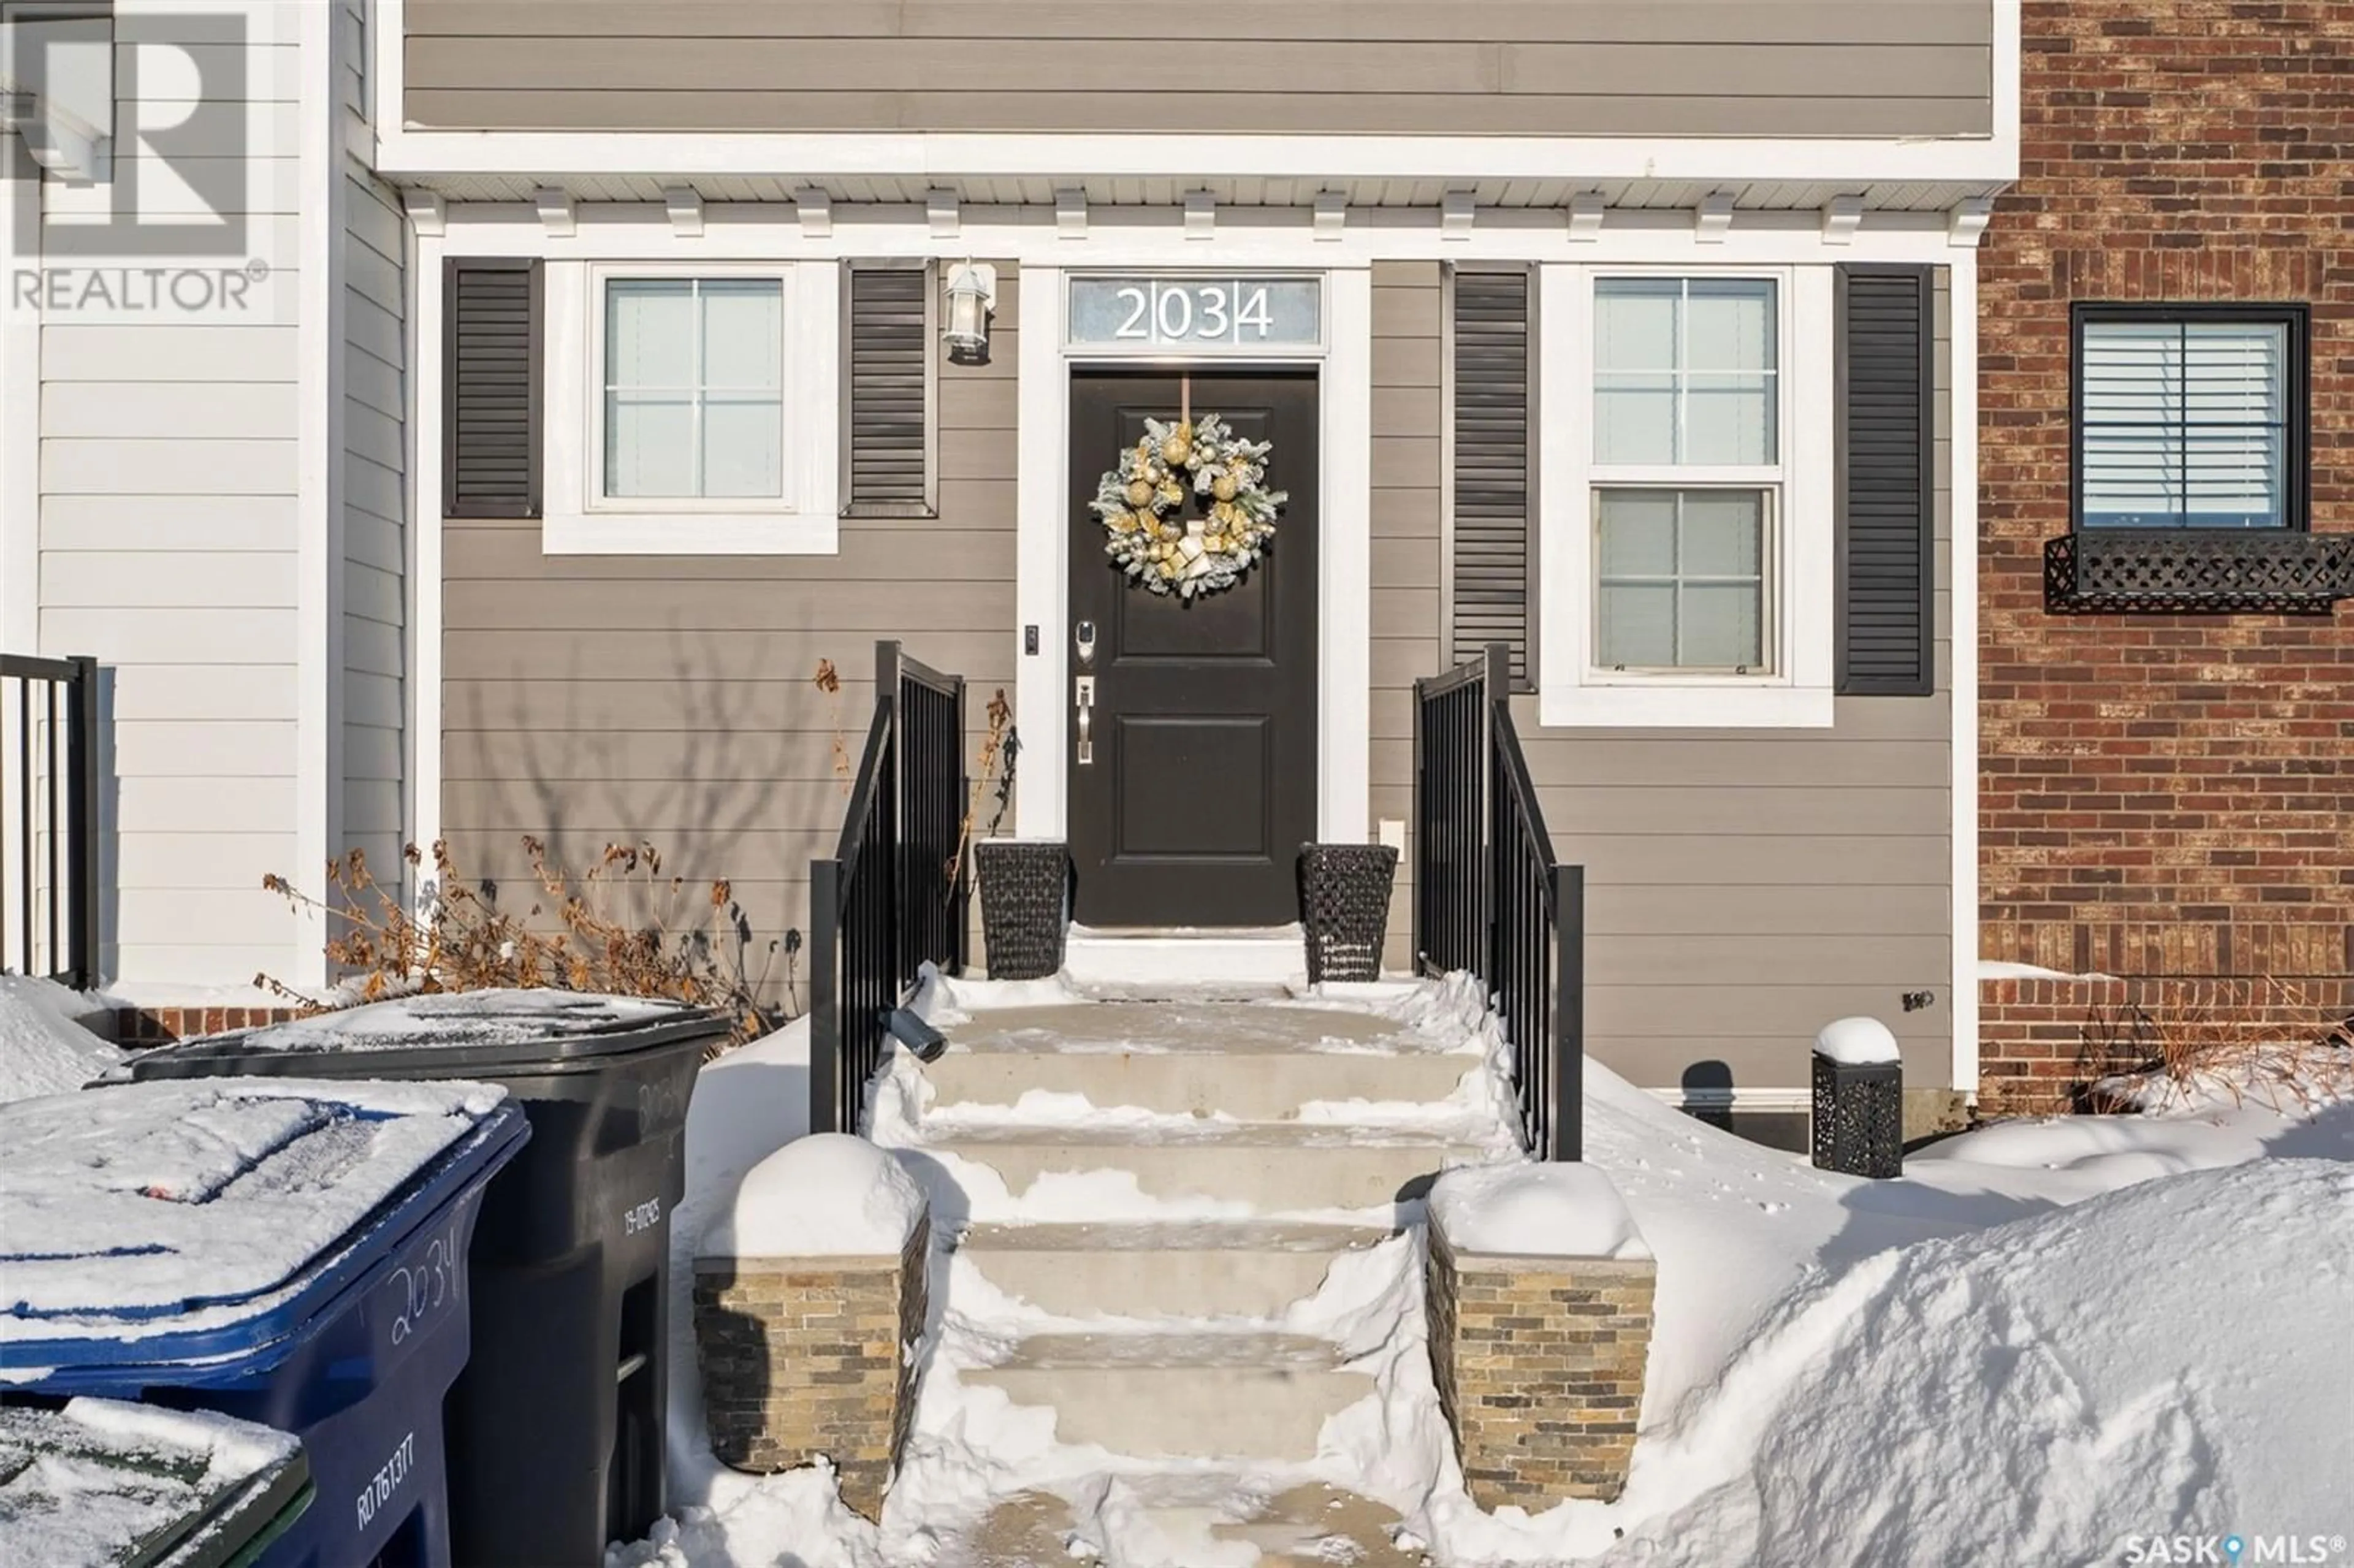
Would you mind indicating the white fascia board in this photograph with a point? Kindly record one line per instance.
(958, 154)
(1154, 237)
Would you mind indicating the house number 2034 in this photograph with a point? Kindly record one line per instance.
(1194, 314)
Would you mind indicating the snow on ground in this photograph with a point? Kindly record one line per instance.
(44, 1050)
(2047, 1337)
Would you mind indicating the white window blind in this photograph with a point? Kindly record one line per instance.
(2185, 424)
(694, 387)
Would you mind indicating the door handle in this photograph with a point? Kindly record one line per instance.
(1084, 698)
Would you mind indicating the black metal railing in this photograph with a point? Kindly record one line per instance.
(1491, 898)
(894, 894)
(48, 854)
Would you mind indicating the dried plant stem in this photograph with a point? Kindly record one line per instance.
(623, 929)
(1000, 745)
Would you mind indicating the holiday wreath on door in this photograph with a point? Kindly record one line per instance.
(1187, 510)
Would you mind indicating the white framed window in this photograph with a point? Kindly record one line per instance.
(1686, 489)
(695, 409)
(694, 403)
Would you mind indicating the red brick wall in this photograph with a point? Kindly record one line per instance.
(2165, 798)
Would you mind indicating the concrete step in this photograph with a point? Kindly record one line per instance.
(1156, 961)
(1276, 1168)
(1209, 1268)
(1183, 1515)
(1250, 1062)
(1196, 1396)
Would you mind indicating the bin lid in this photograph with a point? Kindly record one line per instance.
(142, 1211)
(99, 1483)
(450, 1035)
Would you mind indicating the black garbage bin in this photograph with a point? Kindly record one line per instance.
(556, 1428)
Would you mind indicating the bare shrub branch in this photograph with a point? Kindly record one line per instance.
(623, 929)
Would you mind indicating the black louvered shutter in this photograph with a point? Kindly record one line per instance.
(890, 392)
(1887, 518)
(1491, 566)
(491, 398)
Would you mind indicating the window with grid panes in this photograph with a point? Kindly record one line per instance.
(1687, 472)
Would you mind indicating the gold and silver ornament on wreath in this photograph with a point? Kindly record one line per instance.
(1188, 509)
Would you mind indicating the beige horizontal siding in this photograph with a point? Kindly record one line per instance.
(1744, 886)
(589, 700)
(1822, 68)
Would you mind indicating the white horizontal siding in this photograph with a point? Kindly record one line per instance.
(169, 538)
(167, 466)
(374, 358)
(131, 523)
(97, 579)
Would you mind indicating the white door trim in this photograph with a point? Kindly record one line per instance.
(1344, 554)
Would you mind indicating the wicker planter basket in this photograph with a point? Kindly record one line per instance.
(1025, 909)
(1344, 908)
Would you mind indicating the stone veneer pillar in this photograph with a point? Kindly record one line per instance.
(805, 1358)
(1539, 1362)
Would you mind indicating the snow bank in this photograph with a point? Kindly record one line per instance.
(2152, 1362)
(43, 1049)
(1857, 1042)
(827, 1195)
(1530, 1209)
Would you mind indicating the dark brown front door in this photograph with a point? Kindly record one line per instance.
(1202, 786)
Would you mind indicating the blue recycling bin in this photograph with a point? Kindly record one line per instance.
(290, 1252)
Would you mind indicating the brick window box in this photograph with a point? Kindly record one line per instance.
(2193, 571)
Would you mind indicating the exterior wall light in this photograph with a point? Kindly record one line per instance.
(972, 294)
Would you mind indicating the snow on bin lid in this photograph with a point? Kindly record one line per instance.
(100, 1483)
(1857, 1042)
(148, 1199)
(458, 1019)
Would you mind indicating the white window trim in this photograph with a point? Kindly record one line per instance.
(580, 521)
(1798, 692)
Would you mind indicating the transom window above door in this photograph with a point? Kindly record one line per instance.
(2190, 415)
(693, 390)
